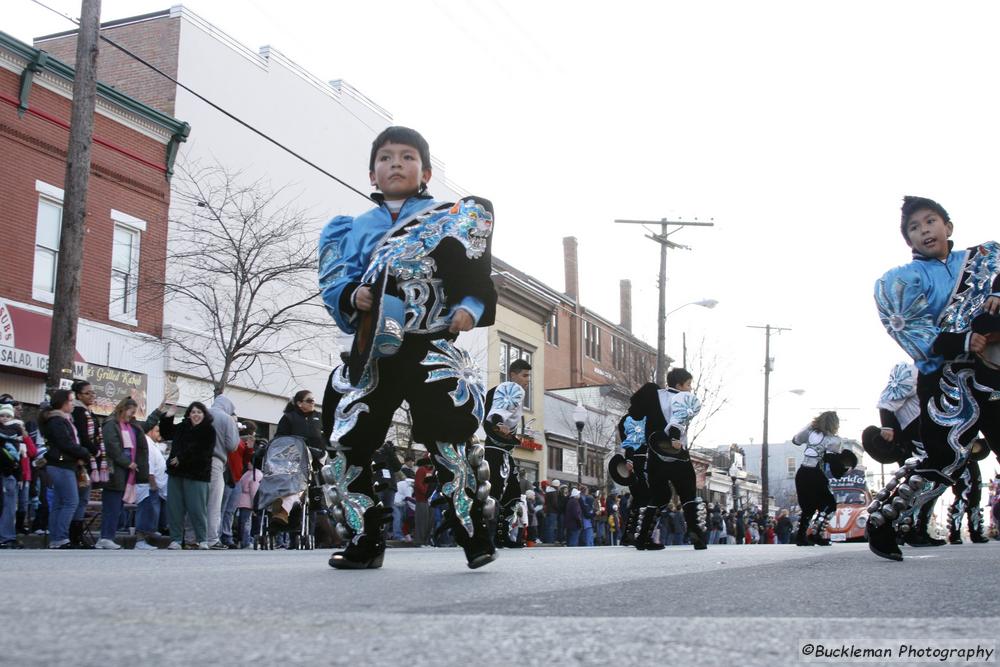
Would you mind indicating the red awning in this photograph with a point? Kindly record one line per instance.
(26, 334)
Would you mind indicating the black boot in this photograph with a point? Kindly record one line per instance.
(818, 526)
(631, 525)
(19, 525)
(644, 536)
(801, 537)
(920, 535)
(366, 550)
(696, 515)
(976, 526)
(911, 487)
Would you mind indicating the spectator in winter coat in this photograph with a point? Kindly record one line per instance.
(189, 470)
(128, 463)
(64, 451)
(227, 438)
(302, 420)
(13, 449)
(784, 528)
(423, 486)
(573, 521)
(88, 429)
(551, 505)
(150, 498)
(589, 513)
(238, 462)
(400, 509)
(246, 489)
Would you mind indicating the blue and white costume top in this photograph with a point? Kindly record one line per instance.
(665, 415)
(430, 257)
(900, 394)
(504, 407)
(928, 305)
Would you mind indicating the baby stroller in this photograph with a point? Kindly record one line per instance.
(289, 470)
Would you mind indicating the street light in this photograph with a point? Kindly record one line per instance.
(704, 303)
(580, 418)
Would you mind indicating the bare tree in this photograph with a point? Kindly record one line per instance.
(242, 265)
(709, 387)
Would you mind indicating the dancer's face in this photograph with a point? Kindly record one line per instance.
(928, 233)
(399, 171)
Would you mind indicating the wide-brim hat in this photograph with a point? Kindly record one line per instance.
(982, 452)
(618, 470)
(878, 448)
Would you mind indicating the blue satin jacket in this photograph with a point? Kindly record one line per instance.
(927, 306)
(346, 248)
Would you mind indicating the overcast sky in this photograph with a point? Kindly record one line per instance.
(797, 127)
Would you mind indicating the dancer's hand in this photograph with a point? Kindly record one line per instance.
(977, 343)
(676, 444)
(461, 321)
(887, 434)
(992, 305)
(503, 429)
(363, 298)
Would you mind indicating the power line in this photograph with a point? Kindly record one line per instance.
(212, 104)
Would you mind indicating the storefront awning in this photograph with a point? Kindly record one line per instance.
(24, 340)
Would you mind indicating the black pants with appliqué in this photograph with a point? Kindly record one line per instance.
(947, 445)
(505, 484)
(434, 415)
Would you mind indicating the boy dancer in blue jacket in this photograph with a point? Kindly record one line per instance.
(942, 309)
(406, 278)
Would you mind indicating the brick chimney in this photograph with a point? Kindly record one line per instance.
(625, 303)
(571, 266)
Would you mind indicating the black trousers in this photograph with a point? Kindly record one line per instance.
(968, 492)
(662, 474)
(813, 490)
(639, 488)
(505, 485)
(424, 375)
(947, 444)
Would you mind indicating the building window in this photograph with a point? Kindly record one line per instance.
(552, 329)
(555, 458)
(47, 233)
(791, 465)
(124, 273)
(509, 353)
(592, 341)
(619, 353)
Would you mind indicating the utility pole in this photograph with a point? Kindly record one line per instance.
(66, 309)
(665, 242)
(768, 330)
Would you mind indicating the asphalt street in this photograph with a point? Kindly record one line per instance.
(749, 605)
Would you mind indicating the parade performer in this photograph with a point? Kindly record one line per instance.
(822, 448)
(665, 415)
(504, 409)
(968, 493)
(899, 439)
(406, 278)
(941, 308)
(630, 470)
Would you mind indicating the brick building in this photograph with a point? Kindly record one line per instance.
(121, 309)
(585, 349)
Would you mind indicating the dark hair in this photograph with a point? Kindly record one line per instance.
(678, 376)
(299, 396)
(79, 386)
(59, 398)
(200, 406)
(397, 134)
(248, 428)
(913, 204)
(518, 365)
